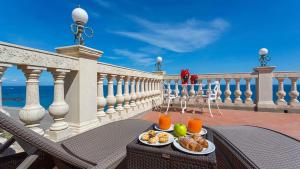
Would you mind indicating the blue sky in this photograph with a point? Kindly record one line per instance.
(213, 36)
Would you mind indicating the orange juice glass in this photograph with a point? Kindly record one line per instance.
(164, 122)
(195, 125)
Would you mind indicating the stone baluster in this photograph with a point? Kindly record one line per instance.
(176, 88)
(138, 94)
(127, 96)
(208, 86)
(169, 87)
(111, 99)
(120, 98)
(3, 67)
(280, 93)
(227, 92)
(59, 108)
(146, 93)
(132, 93)
(192, 90)
(32, 113)
(150, 90)
(237, 92)
(294, 92)
(101, 101)
(200, 88)
(248, 92)
(143, 93)
(219, 92)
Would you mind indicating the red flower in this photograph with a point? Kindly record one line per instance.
(194, 79)
(185, 75)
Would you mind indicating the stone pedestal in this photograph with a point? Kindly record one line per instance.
(81, 88)
(264, 88)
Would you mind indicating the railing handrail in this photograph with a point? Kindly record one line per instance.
(215, 76)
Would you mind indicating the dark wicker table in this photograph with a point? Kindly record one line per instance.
(140, 156)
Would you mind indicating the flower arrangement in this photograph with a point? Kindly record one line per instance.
(194, 79)
(185, 75)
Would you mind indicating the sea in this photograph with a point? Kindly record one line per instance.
(15, 96)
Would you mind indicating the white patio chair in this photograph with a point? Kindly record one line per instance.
(210, 96)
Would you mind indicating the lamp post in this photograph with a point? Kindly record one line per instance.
(80, 18)
(263, 56)
(158, 63)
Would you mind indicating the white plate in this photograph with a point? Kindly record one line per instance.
(202, 132)
(156, 127)
(171, 139)
(211, 148)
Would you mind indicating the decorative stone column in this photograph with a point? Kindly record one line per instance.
(219, 92)
(208, 86)
(200, 88)
(3, 67)
(294, 92)
(138, 94)
(120, 98)
(280, 93)
(264, 88)
(111, 99)
(227, 92)
(81, 88)
(143, 93)
(147, 93)
(32, 113)
(248, 92)
(192, 90)
(127, 97)
(59, 130)
(101, 101)
(176, 88)
(169, 86)
(133, 95)
(237, 92)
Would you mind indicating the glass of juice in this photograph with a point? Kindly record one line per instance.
(195, 125)
(164, 122)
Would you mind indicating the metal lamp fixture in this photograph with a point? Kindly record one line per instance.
(264, 57)
(80, 18)
(158, 63)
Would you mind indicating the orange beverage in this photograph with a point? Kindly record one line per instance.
(195, 125)
(164, 122)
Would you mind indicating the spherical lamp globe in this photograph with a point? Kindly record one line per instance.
(263, 51)
(80, 15)
(159, 59)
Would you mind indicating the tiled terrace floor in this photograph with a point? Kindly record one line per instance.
(287, 123)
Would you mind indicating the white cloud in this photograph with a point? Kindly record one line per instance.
(138, 58)
(103, 3)
(112, 57)
(188, 36)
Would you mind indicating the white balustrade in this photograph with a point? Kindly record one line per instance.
(176, 88)
(101, 100)
(237, 92)
(120, 97)
(200, 88)
(111, 99)
(248, 92)
(32, 113)
(132, 93)
(138, 94)
(227, 92)
(143, 95)
(280, 93)
(127, 96)
(294, 92)
(3, 67)
(219, 92)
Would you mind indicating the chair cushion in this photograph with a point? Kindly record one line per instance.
(262, 148)
(106, 143)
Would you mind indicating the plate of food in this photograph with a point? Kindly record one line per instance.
(156, 138)
(156, 127)
(194, 144)
(202, 132)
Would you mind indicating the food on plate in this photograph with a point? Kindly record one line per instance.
(180, 130)
(152, 140)
(152, 133)
(163, 139)
(145, 137)
(162, 135)
(193, 143)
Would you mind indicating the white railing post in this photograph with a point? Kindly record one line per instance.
(200, 88)
(133, 95)
(227, 92)
(237, 92)
(111, 99)
(3, 67)
(248, 92)
(294, 92)
(219, 92)
(143, 93)
(127, 96)
(138, 95)
(120, 98)
(176, 88)
(192, 90)
(101, 100)
(280, 93)
(59, 130)
(32, 113)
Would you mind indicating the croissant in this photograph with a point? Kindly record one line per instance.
(200, 140)
(190, 144)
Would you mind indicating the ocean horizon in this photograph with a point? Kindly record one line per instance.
(14, 96)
